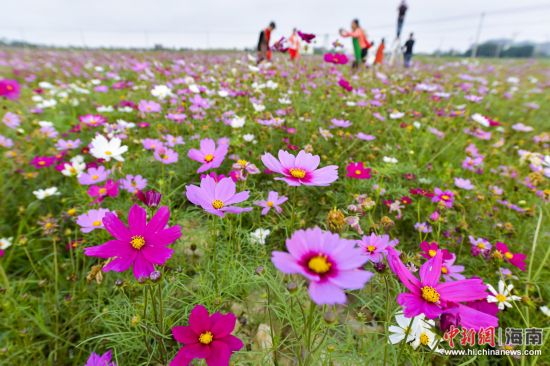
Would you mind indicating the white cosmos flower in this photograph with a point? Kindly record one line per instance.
(161, 92)
(415, 331)
(503, 297)
(223, 93)
(271, 84)
(258, 236)
(237, 122)
(107, 149)
(105, 109)
(75, 167)
(44, 193)
(285, 100)
(396, 115)
(5, 243)
(545, 310)
(389, 160)
(258, 107)
(249, 137)
(194, 88)
(480, 119)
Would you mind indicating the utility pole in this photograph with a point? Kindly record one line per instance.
(476, 44)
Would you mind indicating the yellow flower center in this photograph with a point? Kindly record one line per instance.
(164, 157)
(481, 246)
(48, 225)
(137, 242)
(96, 223)
(102, 190)
(41, 162)
(108, 153)
(297, 173)
(358, 172)
(444, 270)
(95, 177)
(71, 211)
(430, 294)
(424, 339)
(206, 337)
(319, 264)
(508, 255)
(445, 197)
(269, 203)
(501, 298)
(208, 158)
(217, 204)
(242, 162)
(371, 248)
(432, 253)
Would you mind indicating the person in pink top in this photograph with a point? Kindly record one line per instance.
(361, 44)
(294, 45)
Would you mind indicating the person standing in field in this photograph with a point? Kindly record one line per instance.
(294, 45)
(401, 11)
(379, 59)
(361, 44)
(264, 53)
(408, 50)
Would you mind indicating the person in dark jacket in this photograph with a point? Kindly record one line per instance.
(264, 53)
(408, 50)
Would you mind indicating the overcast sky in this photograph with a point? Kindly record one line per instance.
(236, 23)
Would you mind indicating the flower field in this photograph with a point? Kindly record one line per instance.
(163, 208)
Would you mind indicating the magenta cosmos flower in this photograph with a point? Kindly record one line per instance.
(9, 89)
(300, 169)
(100, 360)
(445, 198)
(210, 155)
(358, 171)
(330, 263)
(516, 259)
(141, 245)
(208, 337)
(273, 201)
(427, 295)
(217, 197)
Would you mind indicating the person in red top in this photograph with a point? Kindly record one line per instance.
(294, 45)
(379, 59)
(263, 43)
(361, 44)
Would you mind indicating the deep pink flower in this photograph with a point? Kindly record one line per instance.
(345, 84)
(9, 89)
(208, 337)
(429, 250)
(210, 155)
(445, 197)
(300, 169)
(428, 296)
(40, 162)
(375, 246)
(141, 245)
(273, 201)
(217, 198)
(470, 315)
(358, 171)
(100, 360)
(150, 198)
(306, 37)
(330, 263)
(516, 259)
(110, 189)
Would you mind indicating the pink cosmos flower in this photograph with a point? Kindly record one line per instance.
(94, 175)
(100, 360)
(132, 183)
(141, 245)
(345, 84)
(110, 189)
(11, 120)
(516, 259)
(166, 155)
(342, 123)
(365, 137)
(273, 201)
(429, 250)
(464, 184)
(330, 263)
(470, 315)
(479, 246)
(358, 171)
(300, 169)
(375, 246)
(306, 37)
(450, 271)
(67, 144)
(217, 198)
(150, 198)
(427, 295)
(445, 197)
(40, 162)
(208, 337)
(210, 155)
(93, 120)
(9, 89)
(244, 168)
(92, 220)
(423, 227)
(151, 144)
(149, 106)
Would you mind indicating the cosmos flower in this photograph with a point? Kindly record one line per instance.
(479, 246)
(429, 250)
(209, 155)
(427, 295)
(40, 162)
(11, 120)
(141, 245)
(110, 189)
(149, 198)
(259, 235)
(306, 37)
(132, 183)
(94, 175)
(44, 193)
(100, 360)
(206, 337)
(423, 227)
(330, 264)
(464, 184)
(5, 243)
(503, 297)
(93, 120)
(92, 220)
(148, 106)
(342, 123)
(101, 148)
(74, 168)
(410, 329)
(358, 171)
(161, 92)
(273, 201)
(301, 169)
(516, 259)
(9, 89)
(374, 247)
(446, 198)
(67, 144)
(345, 84)
(217, 198)
(450, 271)
(166, 155)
